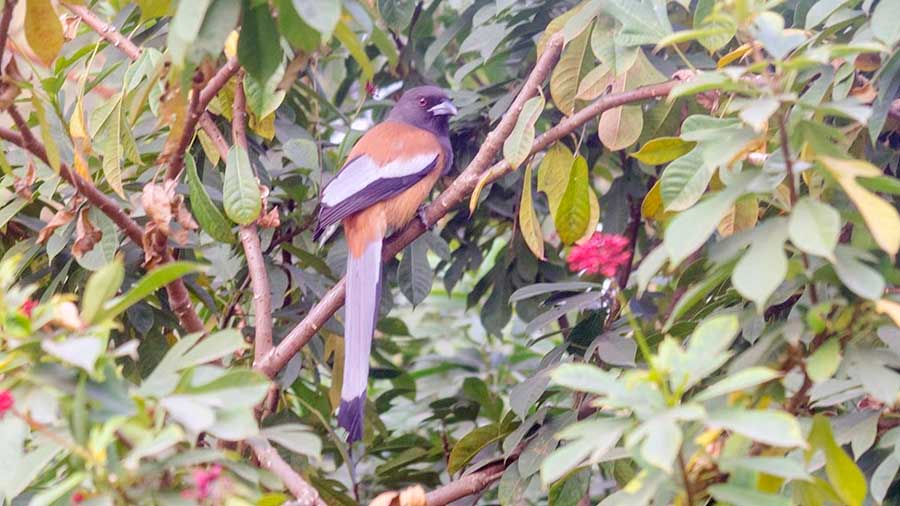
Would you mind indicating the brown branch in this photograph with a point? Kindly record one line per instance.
(268, 458)
(467, 485)
(256, 265)
(107, 31)
(8, 7)
(26, 139)
(197, 114)
(458, 191)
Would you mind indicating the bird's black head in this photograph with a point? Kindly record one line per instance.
(425, 107)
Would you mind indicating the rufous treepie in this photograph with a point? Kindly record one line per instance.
(389, 173)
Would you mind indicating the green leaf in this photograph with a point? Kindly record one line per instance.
(563, 460)
(112, 148)
(684, 181)
(322, 15)
(843, 474)
(742, 380)
(220, 19)
(888, 88)
(259, 48)
(345, 35)
(690, 229)
(475, 441)
(296, 438)
(574, 213)
(240, 195)
(517, 146)
(824, 362)
(814, 227)
(52, 493)
(184, 29)
(152, 281)
(883, 477)
(295, 29)
(768, 28)
(740, 496)
(584, 378)
(783, 467)
(775, 428)
(529, 224)
(100, 287)
(857, 276)
(414, 274)
(50, 144)
(397, 13)
(663, 150)
(564, 81)
(545, 288)
(883, 22)
(706, 16)
(643, 21)
(762, 269)
(756, 113)
(571, 490)
(208, 214)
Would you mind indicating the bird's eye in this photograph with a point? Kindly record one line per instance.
(423, 101)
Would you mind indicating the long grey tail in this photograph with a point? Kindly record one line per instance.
(361, 315)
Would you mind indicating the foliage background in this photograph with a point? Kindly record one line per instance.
(747, 355)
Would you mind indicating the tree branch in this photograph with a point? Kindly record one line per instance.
(467, 485)
(8, 7)
(268, 458)
(26, 139)
(256, 265)
(196, 114)
(461, 188)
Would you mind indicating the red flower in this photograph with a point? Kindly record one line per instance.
(601, 254)
(28, 306)
(6, 402)
(370, 88)
(78, 497)
(203, 481)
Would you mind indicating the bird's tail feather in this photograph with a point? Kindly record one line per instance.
(361, 314)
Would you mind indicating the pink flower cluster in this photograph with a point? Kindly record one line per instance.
(6, 402)
(203, 481)
(600, 254)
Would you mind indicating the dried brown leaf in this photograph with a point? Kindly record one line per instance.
(86, 234)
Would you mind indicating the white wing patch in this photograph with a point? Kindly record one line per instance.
(363, 171)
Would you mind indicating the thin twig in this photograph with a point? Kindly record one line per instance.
(8, 7)
(458, 192)
(256, 265)
(197, 114)
(269, 458)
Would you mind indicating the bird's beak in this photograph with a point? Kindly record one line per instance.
(445, 108)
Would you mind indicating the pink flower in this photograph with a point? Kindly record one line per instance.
(27, 307)
(6, 402)
(203, 481)
(600, 254)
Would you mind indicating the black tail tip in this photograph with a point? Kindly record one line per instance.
(350, 416)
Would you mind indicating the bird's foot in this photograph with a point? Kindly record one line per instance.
(420, 214)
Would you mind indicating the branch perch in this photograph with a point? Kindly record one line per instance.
(268, 458)
(256, 265)
(462, 187)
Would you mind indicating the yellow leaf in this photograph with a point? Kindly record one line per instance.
(476, 193)
(594, 217)
(889, 308)
(734, 55)
(553, 174)
(880, 216)
(663, 150)
(743, 215)
(334, 345)
(209, 148)
(652, 206)
(265, 127)
(528, 220)
(231, 43)
(43, 31)
(566, 75)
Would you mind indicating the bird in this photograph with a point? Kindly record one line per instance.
(389, 173)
